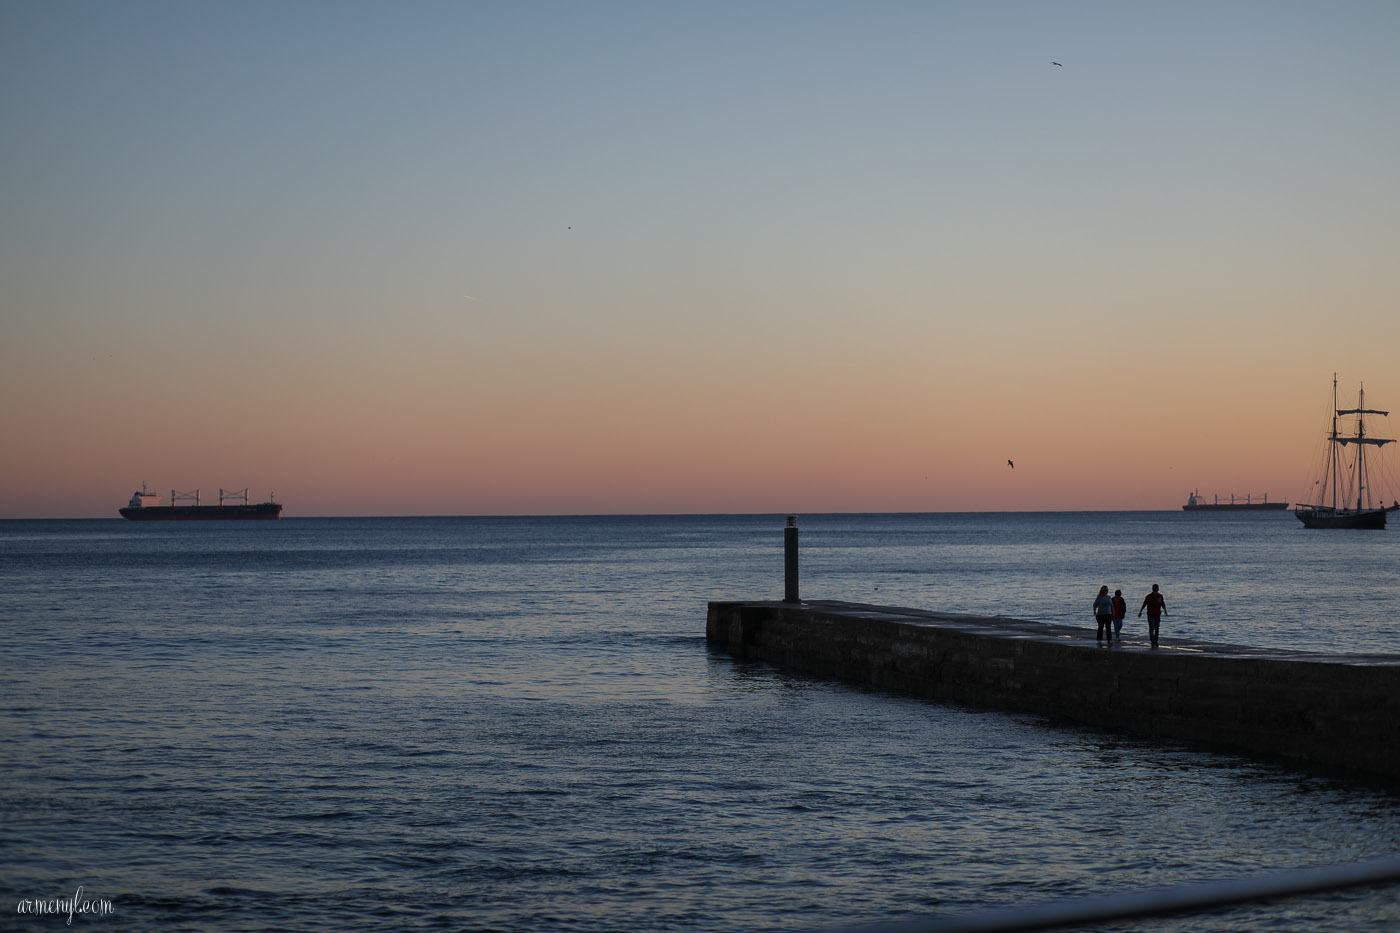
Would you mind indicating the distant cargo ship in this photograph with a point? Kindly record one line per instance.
(1194, 503)
(145, 507)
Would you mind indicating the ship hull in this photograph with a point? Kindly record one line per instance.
(1236, 507)
(203, 513)
(1372, 519)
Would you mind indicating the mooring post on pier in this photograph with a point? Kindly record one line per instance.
(790, 561)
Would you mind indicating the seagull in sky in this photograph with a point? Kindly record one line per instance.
(1057, 64)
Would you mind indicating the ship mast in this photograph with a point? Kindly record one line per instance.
(1360, 445)
(1332, 462)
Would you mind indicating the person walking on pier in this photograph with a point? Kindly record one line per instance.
(1156, 606)
(1103, 614)
(1120, 609)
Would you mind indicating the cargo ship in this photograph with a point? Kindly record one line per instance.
(184, 507)
(1194, 503)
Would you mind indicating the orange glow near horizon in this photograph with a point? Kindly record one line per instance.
(789, 438)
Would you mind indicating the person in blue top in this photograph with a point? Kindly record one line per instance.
(1103, 615)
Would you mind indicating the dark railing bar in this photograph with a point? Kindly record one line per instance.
(1158, 902)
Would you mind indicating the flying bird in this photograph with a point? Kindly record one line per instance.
(1057, 64)
(1010, 464)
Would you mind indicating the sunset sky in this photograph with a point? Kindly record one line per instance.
(658, 257)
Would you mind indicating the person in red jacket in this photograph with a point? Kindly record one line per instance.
(1120, 609)
(1156, 605)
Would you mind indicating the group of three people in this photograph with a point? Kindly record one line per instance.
(1110, 610)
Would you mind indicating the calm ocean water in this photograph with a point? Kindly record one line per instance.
(515, 725)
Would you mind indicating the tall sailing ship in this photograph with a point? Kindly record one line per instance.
(1344, 482)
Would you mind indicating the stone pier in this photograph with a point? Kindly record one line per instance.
(1332, 710)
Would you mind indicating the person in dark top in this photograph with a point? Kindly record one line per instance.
(1120, 609)
(1103, 615)
(1156, 606)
